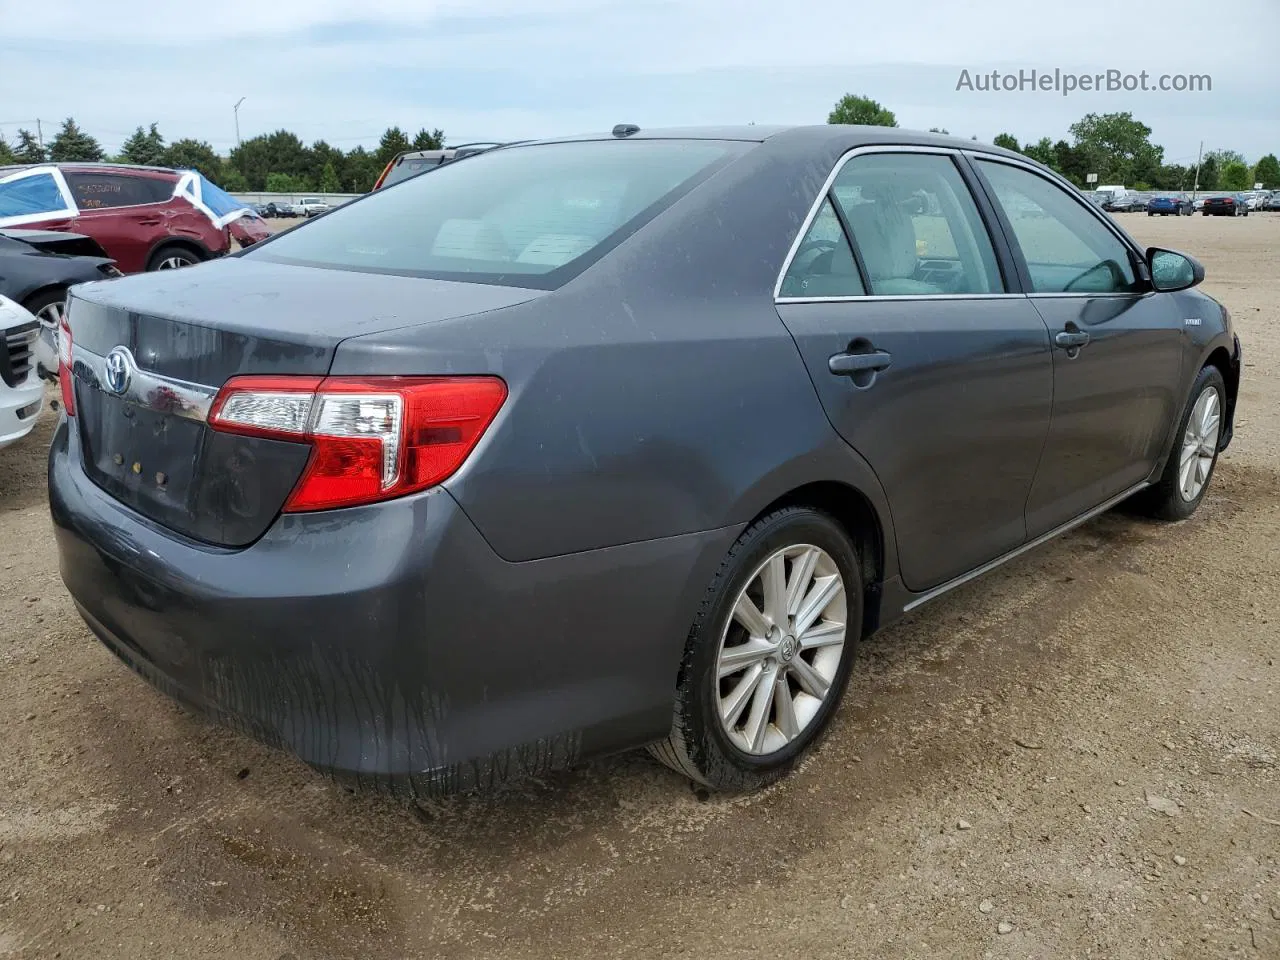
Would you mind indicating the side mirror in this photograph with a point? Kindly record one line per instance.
(1172, 271)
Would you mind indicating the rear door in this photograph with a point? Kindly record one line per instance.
(1118, 350)
(126, 214)
(931, 367)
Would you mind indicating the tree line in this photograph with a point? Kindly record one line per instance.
(1114, 146)
(274, 162)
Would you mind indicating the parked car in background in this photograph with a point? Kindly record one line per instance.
(1273, 200)
(1256, 199)
(619, 440)
(37, 267)
(21, 393)
(1225, 205)
(1177, 206)
(145, 218)
(412, 162)
(310, 206)
(1125, 201)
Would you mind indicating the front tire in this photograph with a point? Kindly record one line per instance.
(173, 257)
(49, 308)
(769, 653)
(1186, 476)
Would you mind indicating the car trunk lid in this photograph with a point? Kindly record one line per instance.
(151, 351)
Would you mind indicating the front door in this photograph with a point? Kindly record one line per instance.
(940, 379)
(1118, 347)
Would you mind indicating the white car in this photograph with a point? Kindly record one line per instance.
(21, 392)
(310, 206)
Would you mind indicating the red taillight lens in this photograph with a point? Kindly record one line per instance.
(382, 176)
(373, 438)
(64, 366)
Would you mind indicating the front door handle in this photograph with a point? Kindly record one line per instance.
(1071, 339)
(847, 364)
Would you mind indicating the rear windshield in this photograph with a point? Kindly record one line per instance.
(525, 216)
(407, 167)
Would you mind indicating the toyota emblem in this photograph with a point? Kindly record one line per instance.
(118, 370)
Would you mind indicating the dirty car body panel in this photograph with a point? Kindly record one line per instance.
(531, 608)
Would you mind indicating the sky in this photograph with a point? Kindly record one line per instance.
(512, 69)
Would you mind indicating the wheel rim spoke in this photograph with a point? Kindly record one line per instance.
(801, 576)
(825, 634)
(810, 680)
(784, 709)
(734, 659)
(731, 707)
(774, 580)
(823, 592)
(758, 718)
(749, 616)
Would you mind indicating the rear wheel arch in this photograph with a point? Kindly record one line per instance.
(183, 244)
(854, 512)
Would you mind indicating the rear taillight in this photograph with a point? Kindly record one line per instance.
(372, 438)
(382, 176)
(64, 366)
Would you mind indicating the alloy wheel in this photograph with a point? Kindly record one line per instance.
(1199, 444)
(781, 649)
(175, 261)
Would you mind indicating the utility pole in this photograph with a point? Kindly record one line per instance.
(1196, 188)
(236, 110)
(39, 133)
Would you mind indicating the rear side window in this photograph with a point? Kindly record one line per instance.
(823, 265)
(26, 196)
(1066, 248)
(527, 216)
(916, 226)
(95, 191)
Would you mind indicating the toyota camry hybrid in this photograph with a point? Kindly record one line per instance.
(622, 440)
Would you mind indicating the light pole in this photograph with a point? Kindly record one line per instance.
(236, 111)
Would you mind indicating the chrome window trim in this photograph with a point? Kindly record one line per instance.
(823, 193)
(147, 390)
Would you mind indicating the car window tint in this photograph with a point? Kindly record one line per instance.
(30, 195)
(95, 191)
(823, 265)
(916, 226)
(1067, 250)
(528, 216)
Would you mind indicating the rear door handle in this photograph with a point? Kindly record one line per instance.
(1071, 339)
(847, 364)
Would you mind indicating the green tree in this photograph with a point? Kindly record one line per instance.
(279, 152)
(1008, 141)
(28, 149)
(72, 143)
(286, 183)
(428, 141)
(231, 180)
(360, 171)
(188, 154)
(861, 110)
(1042, 151)
(1267, 172)
(1210, 173)
(6, 152)
(1120, 146)
(1235, 176)
(1224, 157)
(322, 155)
(145, 147)
(393, 143)
(329, 182)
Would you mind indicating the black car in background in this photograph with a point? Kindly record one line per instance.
(37, 267)
(1226, 205)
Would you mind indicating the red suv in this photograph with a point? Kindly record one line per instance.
(146, 218)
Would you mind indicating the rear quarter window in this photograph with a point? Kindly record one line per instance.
(528, 216)
(97, 191)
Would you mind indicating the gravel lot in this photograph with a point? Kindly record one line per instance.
(1075, 756)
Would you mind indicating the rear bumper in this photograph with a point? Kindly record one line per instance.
(389, 643)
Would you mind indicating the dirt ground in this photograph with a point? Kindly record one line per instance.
(1073, 757)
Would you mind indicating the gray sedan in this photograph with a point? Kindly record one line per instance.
(585, 445)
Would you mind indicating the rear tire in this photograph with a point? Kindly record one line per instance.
(746, 706)
(173, 256)
(1185, 480)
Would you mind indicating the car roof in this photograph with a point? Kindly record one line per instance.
(802, 137)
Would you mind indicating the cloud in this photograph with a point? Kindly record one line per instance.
(484, 69)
